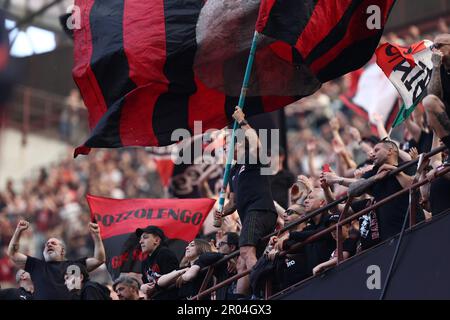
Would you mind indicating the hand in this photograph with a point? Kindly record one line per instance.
(304, 180)
(231, 267)
(436, 58)
(377, 117)
(323, 183)
(148, 288)
(330, 177)
(272, 254)
(413, 153)
(386, 167)
(317, 269)
(338, 148)
(94, 229)
(311, 145)
(273, 240)
(355, 134)
(334, 124)
(238, 115)
(358, 173)
(22, 225)
(279, 245)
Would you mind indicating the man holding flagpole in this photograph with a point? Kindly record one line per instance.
(437, 102)
(251, 195)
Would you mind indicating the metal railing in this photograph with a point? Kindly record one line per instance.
(342, 221)
(37, 111)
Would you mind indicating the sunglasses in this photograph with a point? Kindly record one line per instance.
(290, 212)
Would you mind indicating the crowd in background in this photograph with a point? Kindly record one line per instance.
(320, 131)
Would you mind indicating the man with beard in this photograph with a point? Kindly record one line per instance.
(25, 290)
(48, 275)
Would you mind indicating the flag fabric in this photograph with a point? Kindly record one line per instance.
(374, 94)
(180, 220)
(147, 68)
(409, 69)
(134, 66)
(329, 37)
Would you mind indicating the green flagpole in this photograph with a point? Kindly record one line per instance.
(226, 175)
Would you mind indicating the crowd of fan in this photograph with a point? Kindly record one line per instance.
(331, 150)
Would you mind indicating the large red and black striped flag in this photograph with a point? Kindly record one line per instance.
(146, 68)
(134, 66)
(329, 37)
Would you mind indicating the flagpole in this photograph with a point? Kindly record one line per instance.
(226, 175)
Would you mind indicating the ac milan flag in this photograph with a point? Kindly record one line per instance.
(134, 66)
(409, 69)
(147, 68)
(329, 37)
(180, 220)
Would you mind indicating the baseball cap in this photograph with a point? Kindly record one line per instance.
(153, 230)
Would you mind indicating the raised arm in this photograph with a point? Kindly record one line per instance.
(13, 249)
(99, 250)
(435, 86)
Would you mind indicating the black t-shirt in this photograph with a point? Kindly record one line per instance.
(220, 272)
(292, 269)
(48, 278)
(251, 189)
(349, 245)
(317, 251)
(161, 261)
(91, 291)
(191, 288)
(423, 145)
(280, 184)
(15, 294)
(390, 216)
(440, 195)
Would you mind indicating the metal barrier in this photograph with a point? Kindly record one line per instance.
(342, 221)
(37, 111)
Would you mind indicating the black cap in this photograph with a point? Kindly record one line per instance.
(334, 218)
(153, 230)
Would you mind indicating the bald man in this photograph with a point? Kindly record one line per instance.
(437, 102)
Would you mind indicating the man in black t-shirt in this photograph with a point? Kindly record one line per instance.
(25, 290)
(437, 103)
(389, 216)
(48, 275)
(160, 260)
(251, 195)
(81, 287)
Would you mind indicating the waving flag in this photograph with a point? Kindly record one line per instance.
(147, 68)
(330, 37)
(374, 94)
(180, 220)
(409, 69)
(134, 65)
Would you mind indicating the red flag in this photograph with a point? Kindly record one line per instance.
(180, 220)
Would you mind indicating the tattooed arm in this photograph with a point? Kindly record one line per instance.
(435, 86)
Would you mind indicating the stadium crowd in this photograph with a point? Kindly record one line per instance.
(331, 149)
